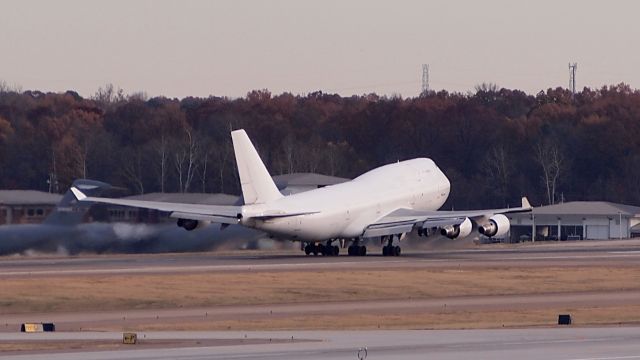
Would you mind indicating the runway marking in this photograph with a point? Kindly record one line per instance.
(560, 257)
(555, 341)
(174, 268)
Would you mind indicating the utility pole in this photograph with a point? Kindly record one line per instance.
(572, 78)
(425, 79)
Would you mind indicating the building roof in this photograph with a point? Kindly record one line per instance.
(588, 208)
(188, 198)
(306, 179)
(28, 197)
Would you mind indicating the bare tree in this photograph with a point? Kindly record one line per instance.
(499, 166)
(185, 160)
(487, 87)
(289, 153)
(551, 161)
(222, 153)
(109, 95)
(6, 88)
(204, 162)
(161, 148)
(83, 154)
(132, 169)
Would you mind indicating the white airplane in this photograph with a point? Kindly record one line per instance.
(386, 202)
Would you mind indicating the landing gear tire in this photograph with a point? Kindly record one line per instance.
(307, 249)
(328, 250)
(356, 250)
(390, 250)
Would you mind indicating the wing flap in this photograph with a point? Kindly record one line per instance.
(230, 220)
(387, 229)
(277, 214)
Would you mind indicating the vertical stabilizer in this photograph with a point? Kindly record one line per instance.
(257, 185)
(71, 212)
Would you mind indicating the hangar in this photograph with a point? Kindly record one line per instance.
(576, 220)
(26, 206)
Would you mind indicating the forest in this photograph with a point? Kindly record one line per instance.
(494, 144)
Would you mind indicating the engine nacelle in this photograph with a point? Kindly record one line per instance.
(190, 224)
(497, 225)
(456, 231)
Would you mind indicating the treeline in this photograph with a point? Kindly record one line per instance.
(495, 144)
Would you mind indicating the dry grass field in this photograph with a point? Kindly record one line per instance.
(49, 294)
(158, 291)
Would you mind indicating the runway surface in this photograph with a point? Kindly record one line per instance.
(553, 254)
(606, 343)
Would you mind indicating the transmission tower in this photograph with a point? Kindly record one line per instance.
(572, 77)
(425, 78)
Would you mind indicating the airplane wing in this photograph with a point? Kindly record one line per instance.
(404, 220)
(224, 214)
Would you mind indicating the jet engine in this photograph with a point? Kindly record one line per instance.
(190, 224)
(497, 225)
(456, 231)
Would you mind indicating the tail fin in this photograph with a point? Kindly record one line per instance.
(71, 212)
(257, 185)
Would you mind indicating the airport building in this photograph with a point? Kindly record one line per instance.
(576, 220)
(26, 206)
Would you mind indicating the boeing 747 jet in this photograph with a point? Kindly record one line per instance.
(386, 202)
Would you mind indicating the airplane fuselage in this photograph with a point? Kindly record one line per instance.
(345, 210)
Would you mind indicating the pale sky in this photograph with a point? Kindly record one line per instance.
(227, 48)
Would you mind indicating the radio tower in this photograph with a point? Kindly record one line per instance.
(425, 79)
(572, 77)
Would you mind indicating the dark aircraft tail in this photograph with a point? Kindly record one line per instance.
(69, 211)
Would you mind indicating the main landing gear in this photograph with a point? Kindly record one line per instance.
(390, 249)
(357, 250)
(322, 249)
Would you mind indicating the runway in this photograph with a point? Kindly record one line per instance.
(606, 343)
(549, 254)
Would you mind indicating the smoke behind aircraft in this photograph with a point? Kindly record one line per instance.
(122, 238)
